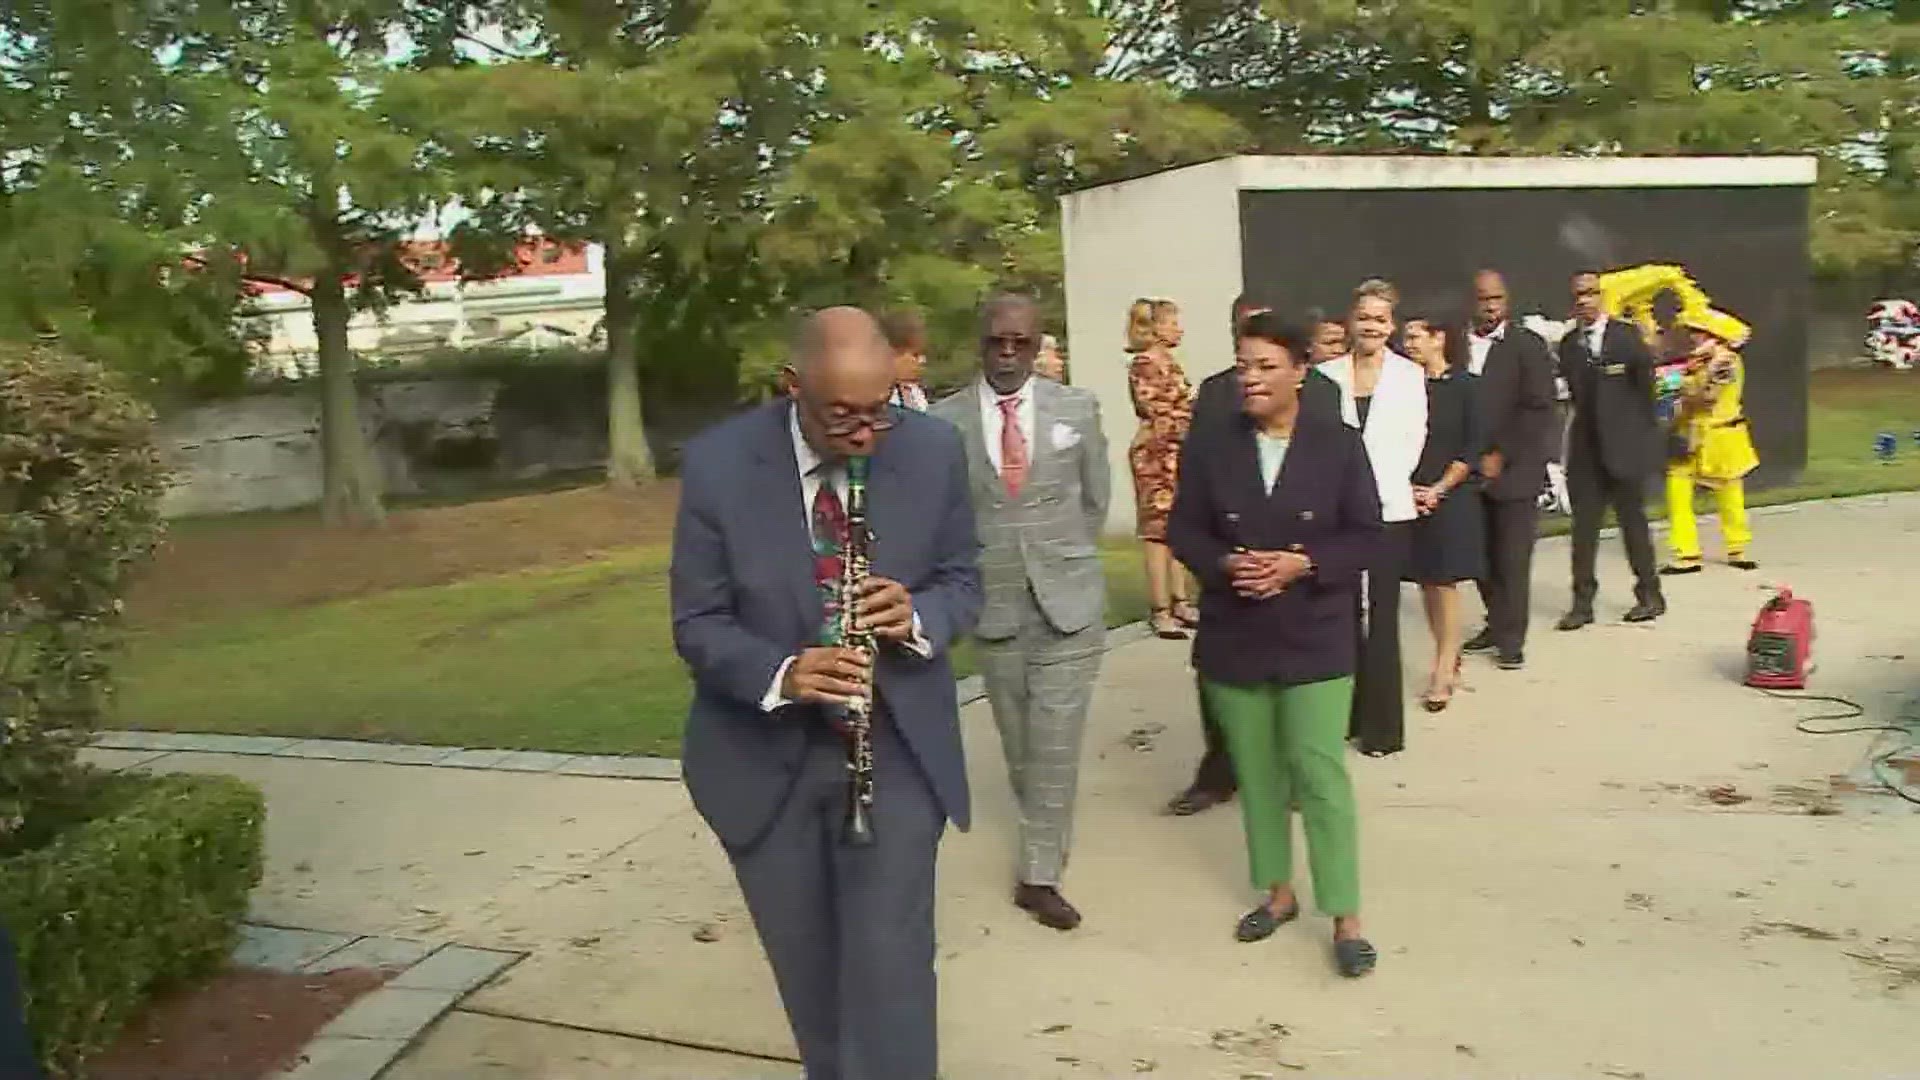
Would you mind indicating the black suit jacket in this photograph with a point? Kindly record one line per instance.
(1325, 501)
(744, 600)
(1516, 412)
(1614, 429)
(1218, 398)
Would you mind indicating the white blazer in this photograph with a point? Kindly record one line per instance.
(1396, 429)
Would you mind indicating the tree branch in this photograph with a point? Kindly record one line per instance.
(499, 51)
(303, 288)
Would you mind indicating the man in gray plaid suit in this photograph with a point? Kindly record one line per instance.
(1038, 473)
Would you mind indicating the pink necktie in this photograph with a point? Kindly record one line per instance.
(1013, 446)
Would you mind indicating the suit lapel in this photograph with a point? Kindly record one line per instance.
(1040, 453)
(888, 505)
(786, 513)
(974, 433)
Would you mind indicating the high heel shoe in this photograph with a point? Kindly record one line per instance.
(1438, 702)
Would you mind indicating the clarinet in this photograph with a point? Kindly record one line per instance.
(857, 830)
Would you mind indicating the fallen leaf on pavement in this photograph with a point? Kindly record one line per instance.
(706, 932)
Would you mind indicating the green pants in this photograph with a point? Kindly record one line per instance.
(1289, 747)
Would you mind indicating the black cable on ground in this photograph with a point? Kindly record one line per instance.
(1876, 762)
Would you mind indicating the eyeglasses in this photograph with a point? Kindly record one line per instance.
(841, 427)
(840, 424)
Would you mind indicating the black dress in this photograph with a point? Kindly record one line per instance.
(1449, 544)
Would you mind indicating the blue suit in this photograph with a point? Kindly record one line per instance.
(849, 932)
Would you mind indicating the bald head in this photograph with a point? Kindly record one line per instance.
(838, 335)
(839, 376)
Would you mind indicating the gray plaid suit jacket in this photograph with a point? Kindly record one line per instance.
(1046, 541)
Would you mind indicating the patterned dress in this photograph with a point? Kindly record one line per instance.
(1163, 401)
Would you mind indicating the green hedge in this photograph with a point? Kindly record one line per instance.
(150, 889)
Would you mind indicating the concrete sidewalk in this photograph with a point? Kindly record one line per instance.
(1552, 892)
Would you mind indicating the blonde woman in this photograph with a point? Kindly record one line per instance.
(1051, 363)
(1384, 394)
(1163, 400)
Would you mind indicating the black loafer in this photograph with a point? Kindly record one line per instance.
(1646, 610)
(1676, 569)
(1354, 957)
(1195, 799)
(1260, 923)
(1575, 619)
(1511, 660)
(1480, 642)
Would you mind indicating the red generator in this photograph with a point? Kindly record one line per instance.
(1780, 648)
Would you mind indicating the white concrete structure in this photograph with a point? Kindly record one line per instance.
(1177, 235)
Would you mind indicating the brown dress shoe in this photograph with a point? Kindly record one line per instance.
(1046, 905)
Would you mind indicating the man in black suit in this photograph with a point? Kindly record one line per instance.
(757, 548)
(1612, 448)
(1215, 404)
(1515, 369)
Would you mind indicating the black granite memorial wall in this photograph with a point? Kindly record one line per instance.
(1745, 246)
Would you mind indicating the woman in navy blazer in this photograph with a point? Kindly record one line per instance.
(1276, 515)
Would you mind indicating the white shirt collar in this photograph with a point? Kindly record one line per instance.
(803, 454)
(992, 419)
(1498, 333)
(991, 398)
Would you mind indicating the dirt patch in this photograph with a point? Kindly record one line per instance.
(244, 1024)
(215, 567)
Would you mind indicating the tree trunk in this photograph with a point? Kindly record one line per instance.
(629, 460)
(350, 492)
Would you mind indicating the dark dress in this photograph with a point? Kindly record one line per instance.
(1449, 544)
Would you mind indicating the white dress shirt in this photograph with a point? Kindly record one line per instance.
(1596, 334)
(811, 472)
(1481, 345)
(992, 423)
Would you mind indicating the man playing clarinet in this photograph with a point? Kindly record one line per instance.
(756, 588)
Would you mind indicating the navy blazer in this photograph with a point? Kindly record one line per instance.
(744, 600)
(1614, 425)
(1325, 501)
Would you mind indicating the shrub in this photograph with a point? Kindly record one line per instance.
(149, 890)
(80, 487)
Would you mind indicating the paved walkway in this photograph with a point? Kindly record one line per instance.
(1553, 893)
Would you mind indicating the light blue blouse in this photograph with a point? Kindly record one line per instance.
(1273, 453)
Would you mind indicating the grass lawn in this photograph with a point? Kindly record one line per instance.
(573, 652)
(578, 658)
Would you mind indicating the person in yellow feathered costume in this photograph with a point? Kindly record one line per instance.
(1719, 448)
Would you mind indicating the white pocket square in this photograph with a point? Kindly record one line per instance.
(1064, 436)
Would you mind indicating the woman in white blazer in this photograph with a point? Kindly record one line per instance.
(1383, 394)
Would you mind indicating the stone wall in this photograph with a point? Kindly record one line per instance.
(441, 435)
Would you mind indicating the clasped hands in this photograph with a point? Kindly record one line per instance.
(1258, 575)
(835, 675)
